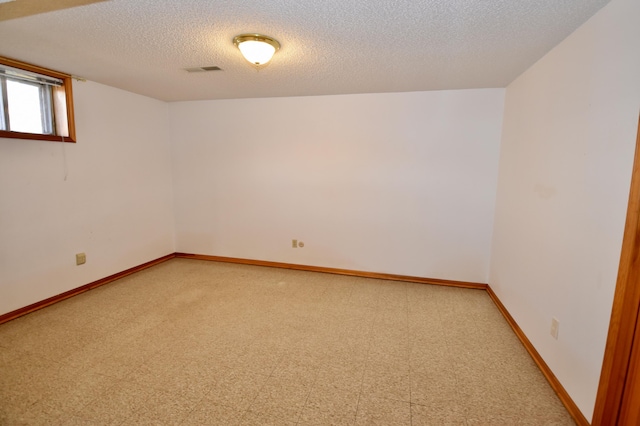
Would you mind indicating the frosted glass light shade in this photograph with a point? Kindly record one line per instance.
(256, 48)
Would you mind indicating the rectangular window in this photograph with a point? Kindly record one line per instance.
(36, 103)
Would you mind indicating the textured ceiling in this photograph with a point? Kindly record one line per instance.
(328, 46)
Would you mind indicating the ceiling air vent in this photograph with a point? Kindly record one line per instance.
(203, 69)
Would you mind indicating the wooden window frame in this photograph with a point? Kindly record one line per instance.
(62, 106)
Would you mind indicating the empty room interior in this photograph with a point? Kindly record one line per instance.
(413, 213)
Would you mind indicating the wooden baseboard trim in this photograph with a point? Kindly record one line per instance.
(326, 270)
(571, 406)
(67, 294)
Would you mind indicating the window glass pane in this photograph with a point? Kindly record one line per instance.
(35, 103)
(25, 114)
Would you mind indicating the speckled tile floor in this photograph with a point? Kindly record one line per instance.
(203, 343)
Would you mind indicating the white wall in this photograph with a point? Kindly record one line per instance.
(109, 195)
(398, 183)
(565, 168)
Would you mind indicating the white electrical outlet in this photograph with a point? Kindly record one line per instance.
(555, 325)
(81, 259)
(294, 243)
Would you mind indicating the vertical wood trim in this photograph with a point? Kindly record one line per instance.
(571, 406)
(624, 313)
(630, 407)
(71, 116)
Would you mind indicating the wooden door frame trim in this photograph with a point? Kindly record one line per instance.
(625, 310)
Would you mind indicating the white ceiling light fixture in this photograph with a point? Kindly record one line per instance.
(256, 48)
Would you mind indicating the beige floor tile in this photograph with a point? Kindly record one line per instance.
(431, 363)
(70, 420)
(25, 379)
(450, 414)
(257, 359)
(72, 390)
(295, 371)
(33, 415)
(161, 408)
(380, 411)
(281, 399)
(115, 354)
(55, 339)
(224, 351)
(489, 402)
(329, 405)
(551, 420)
(237, 390)
(149, 375)
(434, 388)
(348, 348)
(190, 380)
(212, 414)
(143, 327)
(343, 375)
(394, 344)
(383, 380)
(196, 342)
(121, 360)
(16, 400)
(259, 419)
(116, 405)
(309, 353)
(502, 420)
(391, 322)
(90, 307)
(540, 402)
(8, 354)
